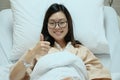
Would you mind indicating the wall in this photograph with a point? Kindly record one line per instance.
(115, 5)
(4, 4)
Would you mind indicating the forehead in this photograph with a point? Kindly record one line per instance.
(57, 16)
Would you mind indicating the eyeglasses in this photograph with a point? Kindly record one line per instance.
(53, 24)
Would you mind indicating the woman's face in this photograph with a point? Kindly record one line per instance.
(58, 26)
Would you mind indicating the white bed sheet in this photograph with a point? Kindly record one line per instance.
(113, 36)
(3, 57)
(5, 64)
(4, 72)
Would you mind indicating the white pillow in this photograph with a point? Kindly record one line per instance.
(87, 16)
(113, 36)
(88, 20)
(6, 32)
(28, 19)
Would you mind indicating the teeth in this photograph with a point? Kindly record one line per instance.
(58, 32)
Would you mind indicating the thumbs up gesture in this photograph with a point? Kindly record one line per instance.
(42, 46)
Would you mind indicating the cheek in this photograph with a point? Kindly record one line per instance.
(49, 31)
(66, 30)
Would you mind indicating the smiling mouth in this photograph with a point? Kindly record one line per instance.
(58, 32)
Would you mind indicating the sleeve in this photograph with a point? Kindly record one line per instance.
(96, 70)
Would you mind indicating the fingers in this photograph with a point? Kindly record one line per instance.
(45, 44)
(44, 50)
(42, 47)
(41, 37)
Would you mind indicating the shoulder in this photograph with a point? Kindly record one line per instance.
(84, 51)
(82, 47)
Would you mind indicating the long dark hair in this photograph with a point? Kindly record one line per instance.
(51, 10)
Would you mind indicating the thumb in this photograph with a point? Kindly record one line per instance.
(41, 37)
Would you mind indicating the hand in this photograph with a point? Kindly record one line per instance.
(42, 46)
(68, 78)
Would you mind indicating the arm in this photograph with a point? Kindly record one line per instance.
(19, 71)
(96, 70)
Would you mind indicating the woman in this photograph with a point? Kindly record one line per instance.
(57, 35)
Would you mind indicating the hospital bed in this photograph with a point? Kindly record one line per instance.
(109, 60)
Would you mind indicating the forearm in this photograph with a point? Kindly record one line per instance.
(18, 71)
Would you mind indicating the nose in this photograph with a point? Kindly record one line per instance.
(57, 26)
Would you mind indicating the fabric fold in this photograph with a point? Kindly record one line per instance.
(58, 66)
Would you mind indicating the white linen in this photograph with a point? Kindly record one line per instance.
(59, 65)
(108, 21)
(119, 21)
(6, 30)
(4, 71)
(113, 36)
(3, 57)
(5, 42)
(88, 20)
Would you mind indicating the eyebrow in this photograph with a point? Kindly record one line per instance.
(57, 20)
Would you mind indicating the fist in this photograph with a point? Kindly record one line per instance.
(42, 46)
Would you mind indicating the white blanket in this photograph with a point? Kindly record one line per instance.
(4, 72)
(58, 66)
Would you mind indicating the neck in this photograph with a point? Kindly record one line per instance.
(62, 43)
